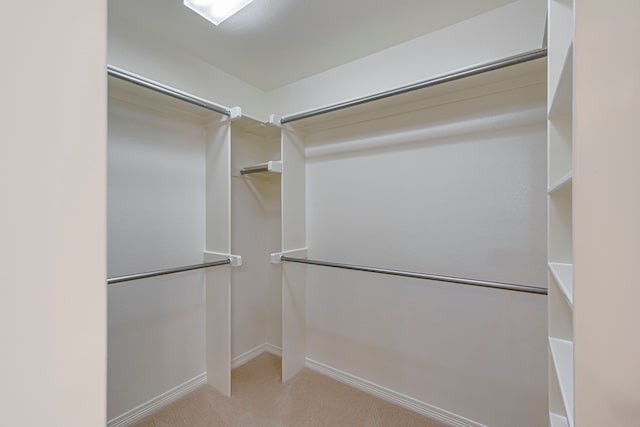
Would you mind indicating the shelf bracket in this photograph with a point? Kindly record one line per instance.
(276, 257)
(274, 166)
(235, 260)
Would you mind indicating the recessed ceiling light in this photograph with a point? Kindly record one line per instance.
(216, 11)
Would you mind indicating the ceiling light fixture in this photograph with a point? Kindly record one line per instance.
(216, 11)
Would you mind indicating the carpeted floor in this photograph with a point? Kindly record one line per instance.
(259, 399)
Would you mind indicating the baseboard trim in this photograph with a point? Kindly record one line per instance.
(449, 418)
(139, 412)
(399, 399)
(255, 352)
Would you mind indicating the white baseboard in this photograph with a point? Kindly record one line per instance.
(139, 412)
(255, 352)
(451, 419)
(392, 396)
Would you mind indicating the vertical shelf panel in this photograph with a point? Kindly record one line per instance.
(560, 211)
(293, 237)
(218, 239)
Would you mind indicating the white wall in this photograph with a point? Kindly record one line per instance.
(607, 210)
(156, 220)
(509, 30)
(52, 223)
(457, 189)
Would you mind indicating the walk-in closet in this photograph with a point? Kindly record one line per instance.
(329, 213)
(394, 241)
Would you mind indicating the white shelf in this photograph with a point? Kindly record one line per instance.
(561, 183)
(562, 354)
(274, 166)
(563, 275)
(558, 420)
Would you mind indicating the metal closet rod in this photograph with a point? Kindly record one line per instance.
(138, 276)
(166, 90)
(254, 169)
(456, 75)
(459, 280)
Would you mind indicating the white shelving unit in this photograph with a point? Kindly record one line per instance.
(560, 212)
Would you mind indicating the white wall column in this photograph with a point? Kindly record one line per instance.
(52, 221)
(607, 212)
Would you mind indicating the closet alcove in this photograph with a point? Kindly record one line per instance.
(444, 180)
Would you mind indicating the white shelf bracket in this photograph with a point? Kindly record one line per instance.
(276, 257)
(236, 113)
(274, 166)
(236, 260)
(274, 120)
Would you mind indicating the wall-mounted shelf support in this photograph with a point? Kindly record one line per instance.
(234, 260)
(271, 166)
(276, 257)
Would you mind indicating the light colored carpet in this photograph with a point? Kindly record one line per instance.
(260, 399)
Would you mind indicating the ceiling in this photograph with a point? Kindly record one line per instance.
(271, 43)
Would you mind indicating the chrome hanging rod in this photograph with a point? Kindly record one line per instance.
(137, 276)
(166, 90)
(248, 171)
(456, 75)
(472, 282)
